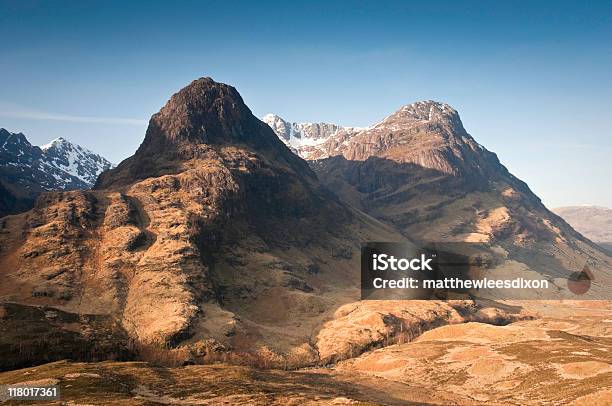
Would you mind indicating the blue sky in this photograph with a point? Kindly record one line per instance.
(531, 80)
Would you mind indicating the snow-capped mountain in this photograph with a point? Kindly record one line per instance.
(421, 172)
(306, 139)
(26, 169)
(75, 160)
(314, 141)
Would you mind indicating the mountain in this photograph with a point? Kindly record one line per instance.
(215, 242)
(27, 170)
(594, 222)
(213, 236)
(75, 160)
(305, 138)
(420, 171)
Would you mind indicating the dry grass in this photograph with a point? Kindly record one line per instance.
(262, 358)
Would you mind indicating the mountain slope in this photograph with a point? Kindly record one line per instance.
(421, 172)
(594, 222)
(212, 234)
(27, 170)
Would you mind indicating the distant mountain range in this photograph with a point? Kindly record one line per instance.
(594, 222)
(27, 170)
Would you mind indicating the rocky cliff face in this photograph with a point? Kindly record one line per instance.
(27, 170)
(421, 172)
(213, 232)
(306, 139)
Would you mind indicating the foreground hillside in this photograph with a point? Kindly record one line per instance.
(562, 357)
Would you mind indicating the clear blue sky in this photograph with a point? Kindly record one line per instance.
(531, 80)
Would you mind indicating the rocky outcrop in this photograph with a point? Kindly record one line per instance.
(367, 325)
(562, 357)
(306, 139)
(31, 335)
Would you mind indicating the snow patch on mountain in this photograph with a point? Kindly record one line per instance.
(306, 139)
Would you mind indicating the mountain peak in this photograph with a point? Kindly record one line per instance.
(8, 138)
(203, 112)
(197, 122)
(55, 142)
(272, 117)
(280, 126)
(422, 112)
(428, 104)
(305, 139)
(30, 170)
(428, 109)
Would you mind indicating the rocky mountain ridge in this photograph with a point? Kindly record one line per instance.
(384, 137)
(421, 172)
(27, 170)
(305, 138)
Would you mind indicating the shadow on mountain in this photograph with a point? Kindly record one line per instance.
(12, 202)
(492, 207)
